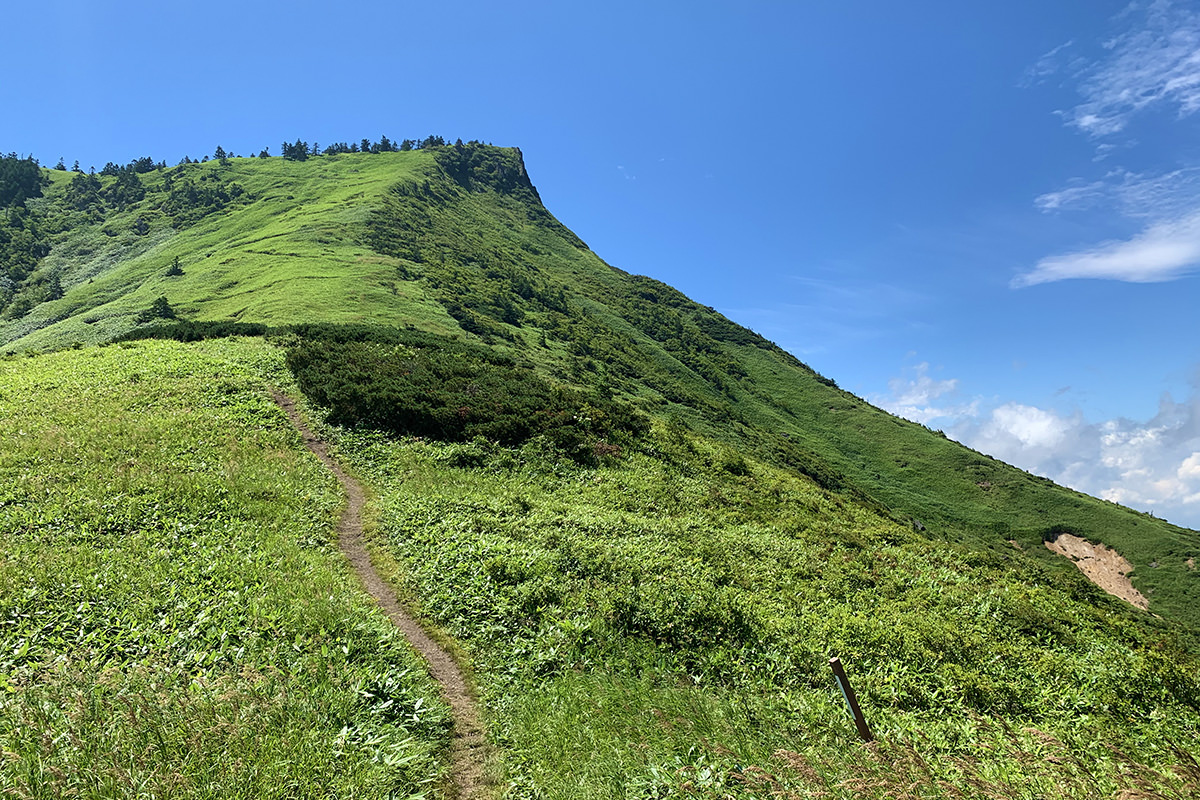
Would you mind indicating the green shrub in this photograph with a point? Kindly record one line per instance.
(419, 385)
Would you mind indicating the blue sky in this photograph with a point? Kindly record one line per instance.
(985, 217)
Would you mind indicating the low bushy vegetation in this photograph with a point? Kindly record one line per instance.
(420, 385)
(662, 601)
(520, 282)
(174, 618)
(454, 241)
(671, 615)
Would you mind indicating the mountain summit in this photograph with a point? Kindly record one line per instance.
(454, 240)
(647, 526)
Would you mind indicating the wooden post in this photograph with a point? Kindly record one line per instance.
(860, 721)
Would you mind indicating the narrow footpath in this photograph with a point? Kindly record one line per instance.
(468, 750)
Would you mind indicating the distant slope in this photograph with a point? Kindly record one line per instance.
(287, 250)
(455, 241)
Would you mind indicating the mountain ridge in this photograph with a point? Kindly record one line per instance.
(454, 240)
(642, 527)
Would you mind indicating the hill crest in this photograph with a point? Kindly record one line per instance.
(454, 241)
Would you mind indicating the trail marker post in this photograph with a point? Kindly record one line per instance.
(860, 721)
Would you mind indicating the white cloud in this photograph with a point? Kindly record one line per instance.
(1047, 65)
(1157, 63)
(1172, 194)
(1152, 465)
(1163, 251)
(913, 397)
(1153, 64)
(922, 389)
(1031, 427)
(1190, 468)
(1073, 197)
(1137, 195)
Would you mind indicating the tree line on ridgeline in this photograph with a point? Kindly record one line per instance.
(183, 197)
(298, 150)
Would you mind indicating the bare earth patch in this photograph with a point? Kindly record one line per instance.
(1102, 565)
(468, 750)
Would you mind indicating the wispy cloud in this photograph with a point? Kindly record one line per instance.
(921, 398)
(1078, 195)
(1157, 63)
(1154, 63)
(1162, 252)
(1049, 63)
(1137, 195)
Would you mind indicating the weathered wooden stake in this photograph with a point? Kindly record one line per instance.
(860, 721)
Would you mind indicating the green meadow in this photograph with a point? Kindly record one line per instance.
(284, 251)
(660, 626)
(174, 617)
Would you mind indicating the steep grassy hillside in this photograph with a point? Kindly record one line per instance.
(646, 527)
(659, 625)
(286, 248)
(455, 241)
(174, 618)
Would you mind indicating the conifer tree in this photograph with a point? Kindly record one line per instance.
(159, 309)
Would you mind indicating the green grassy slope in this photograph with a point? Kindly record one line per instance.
(528, 286)
(655, 624)
(659, 626)
(455, 241)
(647, 612)
(175, 619)
(288, 251)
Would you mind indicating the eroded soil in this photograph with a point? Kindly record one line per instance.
(1102, 565)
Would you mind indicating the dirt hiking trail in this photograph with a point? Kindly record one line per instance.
(468, 750)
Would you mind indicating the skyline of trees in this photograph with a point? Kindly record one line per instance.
(298, 150)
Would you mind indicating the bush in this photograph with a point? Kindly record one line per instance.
(415, 384)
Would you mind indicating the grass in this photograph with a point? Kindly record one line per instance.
(965, 496)
(585, 323)
(280, 256)
(667, 613)
(671, 616)
(174, 618)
